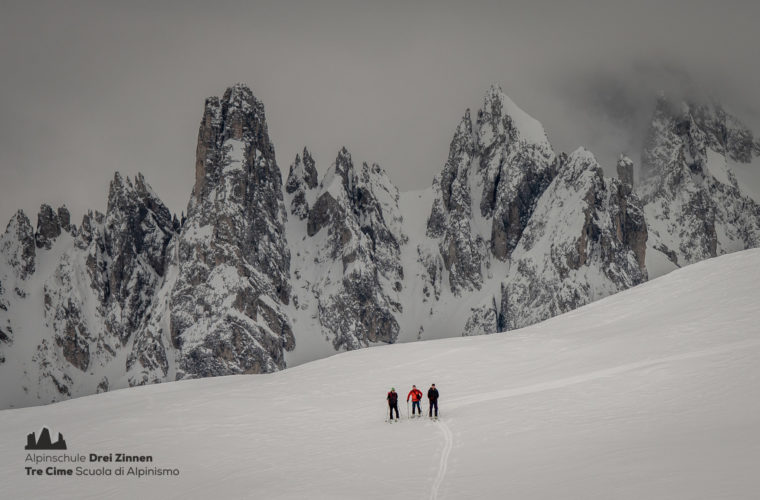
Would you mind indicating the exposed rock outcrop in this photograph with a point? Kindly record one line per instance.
(355, 229)
(48, 227)
(302, 179)
(488, 188)
(232, 257)
(18, 246)
(586, 240)
(625, 171)
(695, 207)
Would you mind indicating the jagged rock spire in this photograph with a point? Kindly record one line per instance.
(48, 227)
(64, 217)
(302, 177)
(17, 244)
(233, 256)
(625, 170)
(237, 116)
(585, 235)
(501, 166)
(357, 233)
(697, 207)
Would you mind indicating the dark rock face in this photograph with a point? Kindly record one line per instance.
(356, 229)
(625, 171)
(64, 218)
(586, 239)
(17, 264)
(235, 154)
(504, 165)
(119, 263)
(75, 341)
(516, 168)
(302, 178)
(498, 199)
(695, 208)
(48, 227)
(137, 230)
(723, 132)
(451, 215)
(482, 320)
(232, 258)
(18, 245)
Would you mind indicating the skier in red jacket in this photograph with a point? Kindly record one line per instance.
(416, 396)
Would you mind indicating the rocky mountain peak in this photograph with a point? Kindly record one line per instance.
(302, 178)
(694, 204)
(241, 113)
(233, 136)
(233, 258)
(238, 186)
(500, 170)
(501, 120)
(334, 193)
(625, 170)
(462, 142)
(64, 217)
(18, 245)
(48, 227)
(691, 129)
(586, 234)
(356, 229)
(725, 133)
(344, 167)
(302, 173)
(137, 223)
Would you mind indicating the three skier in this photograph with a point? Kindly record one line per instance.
(416, 395)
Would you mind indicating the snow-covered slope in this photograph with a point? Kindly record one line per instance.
(650, 393)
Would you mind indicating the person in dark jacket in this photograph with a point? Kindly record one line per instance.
(393, 402)
(433, 401)
(416, 396)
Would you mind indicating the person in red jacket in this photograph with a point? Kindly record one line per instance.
(416, 396)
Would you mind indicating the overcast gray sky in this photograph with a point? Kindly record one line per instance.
(88, 88)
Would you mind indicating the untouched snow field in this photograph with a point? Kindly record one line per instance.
(650, 393)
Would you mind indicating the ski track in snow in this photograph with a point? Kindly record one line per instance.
(444, 463)
(558, 384)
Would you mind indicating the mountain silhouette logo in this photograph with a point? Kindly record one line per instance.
(44, 442)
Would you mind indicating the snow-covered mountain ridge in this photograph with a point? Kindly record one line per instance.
(649, 393)
(262, 274)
